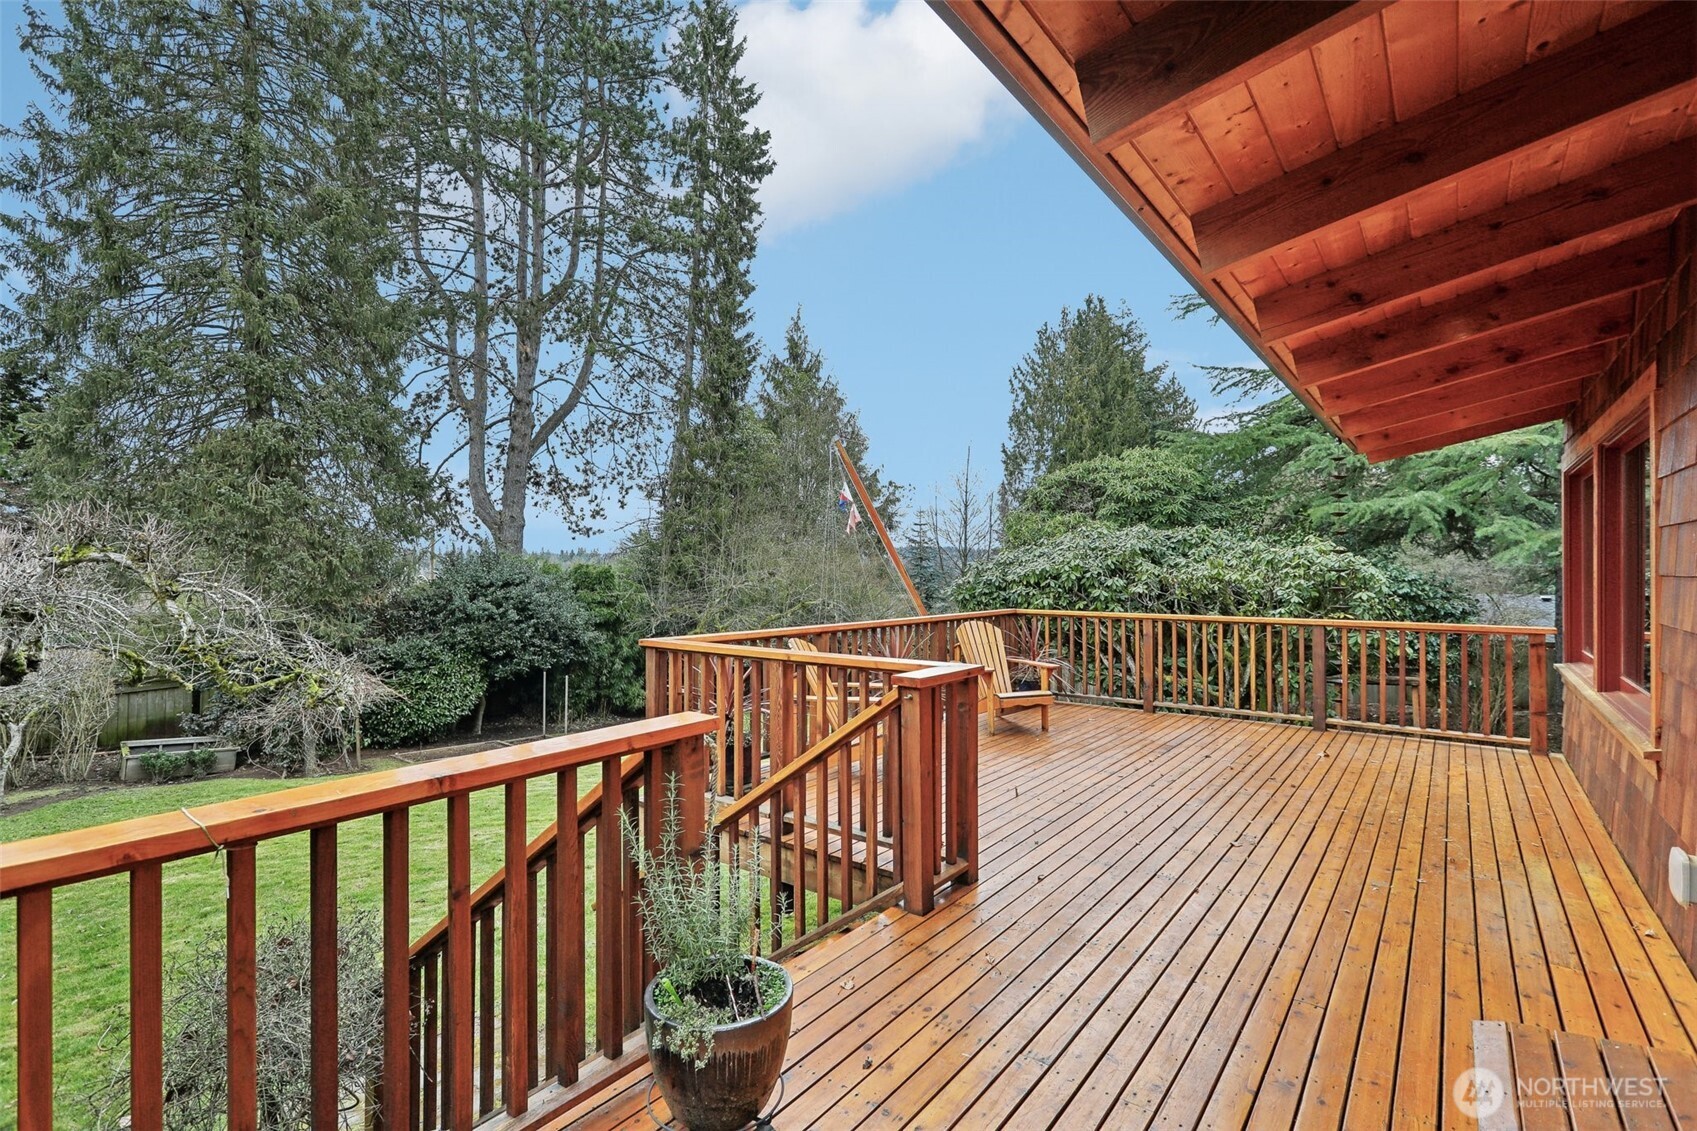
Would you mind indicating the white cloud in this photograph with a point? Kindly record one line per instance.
(860, 103)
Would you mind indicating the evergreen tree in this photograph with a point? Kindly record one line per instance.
(802, 411)
(538, 243)
(783, 555)
(1087, 389)
(721, 162)
(1494, 500)
(205, 223)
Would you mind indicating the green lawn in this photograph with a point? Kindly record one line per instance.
(91, 920)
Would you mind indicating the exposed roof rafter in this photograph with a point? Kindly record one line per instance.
(1573, 283)
(1562, 370)
(1408, 446)
(1640, 59)
(1187, 53)
(1652, 183)
(1604, 321)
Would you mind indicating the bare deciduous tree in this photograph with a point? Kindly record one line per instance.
(87, 598)
(959, 527)
(536, 243)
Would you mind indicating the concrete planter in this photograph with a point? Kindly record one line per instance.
(133, 771)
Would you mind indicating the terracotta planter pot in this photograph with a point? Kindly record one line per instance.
(730, 1089)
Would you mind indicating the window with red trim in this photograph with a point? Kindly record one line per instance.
(1606, 568)
(1578, 560)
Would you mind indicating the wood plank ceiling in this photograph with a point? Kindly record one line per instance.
(1433, 218)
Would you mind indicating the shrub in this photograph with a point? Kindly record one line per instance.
(609, 677)
(1197, 571)
(436, 688)
(196, 1083)
(164, 765)
(509, 613)
(697, 922)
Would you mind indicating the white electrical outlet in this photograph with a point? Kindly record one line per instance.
(1682, 875)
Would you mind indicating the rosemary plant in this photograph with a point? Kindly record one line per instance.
(699, 922)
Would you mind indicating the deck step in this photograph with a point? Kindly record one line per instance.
(1526, 1078)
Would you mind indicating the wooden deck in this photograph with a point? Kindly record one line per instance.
(1187, 921)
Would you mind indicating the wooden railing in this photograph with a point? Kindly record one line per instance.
(562, 1036)
(855, 768)
(1487, 683)
(438, 1063)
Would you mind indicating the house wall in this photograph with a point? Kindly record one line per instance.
(1648, 800)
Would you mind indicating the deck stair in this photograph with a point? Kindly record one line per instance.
(1529, 1079)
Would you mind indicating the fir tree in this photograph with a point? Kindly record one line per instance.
(1085, 390)
(801, 410)
(722, 160)
(205, 223)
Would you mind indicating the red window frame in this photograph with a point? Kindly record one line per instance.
(1579, 564)
(1629, 523)
(1607, 527)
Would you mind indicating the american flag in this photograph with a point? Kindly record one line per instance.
(845, 503)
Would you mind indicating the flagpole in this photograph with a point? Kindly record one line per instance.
(878, 525)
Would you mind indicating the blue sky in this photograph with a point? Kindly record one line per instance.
(923, 223)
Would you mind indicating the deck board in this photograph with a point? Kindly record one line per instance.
(1190, 921)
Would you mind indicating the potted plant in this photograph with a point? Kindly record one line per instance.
(717, 1018)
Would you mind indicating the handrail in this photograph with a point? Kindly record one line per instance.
(706, 646)
(742, 635)
(870, 715)
(1294, 622)
(84, 854)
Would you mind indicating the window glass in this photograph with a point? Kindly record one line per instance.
(1635, 482)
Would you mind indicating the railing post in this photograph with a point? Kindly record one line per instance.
(1537, 695)
(655, 682)
(1146, 662)
(918, 784)
(396, 1107)
(517, 1000)
(1317, 688)
(457, 1011)
(609, 915)
(962, 739)
(35, 1009)
(241, 991)
(326, 1066)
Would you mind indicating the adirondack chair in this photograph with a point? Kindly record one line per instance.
(828, 698)
(980, 642)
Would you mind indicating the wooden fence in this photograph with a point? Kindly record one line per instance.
(148, 710)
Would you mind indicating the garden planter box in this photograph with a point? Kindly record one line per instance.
(221, 759)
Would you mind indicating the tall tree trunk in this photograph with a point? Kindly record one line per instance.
(260, 398)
